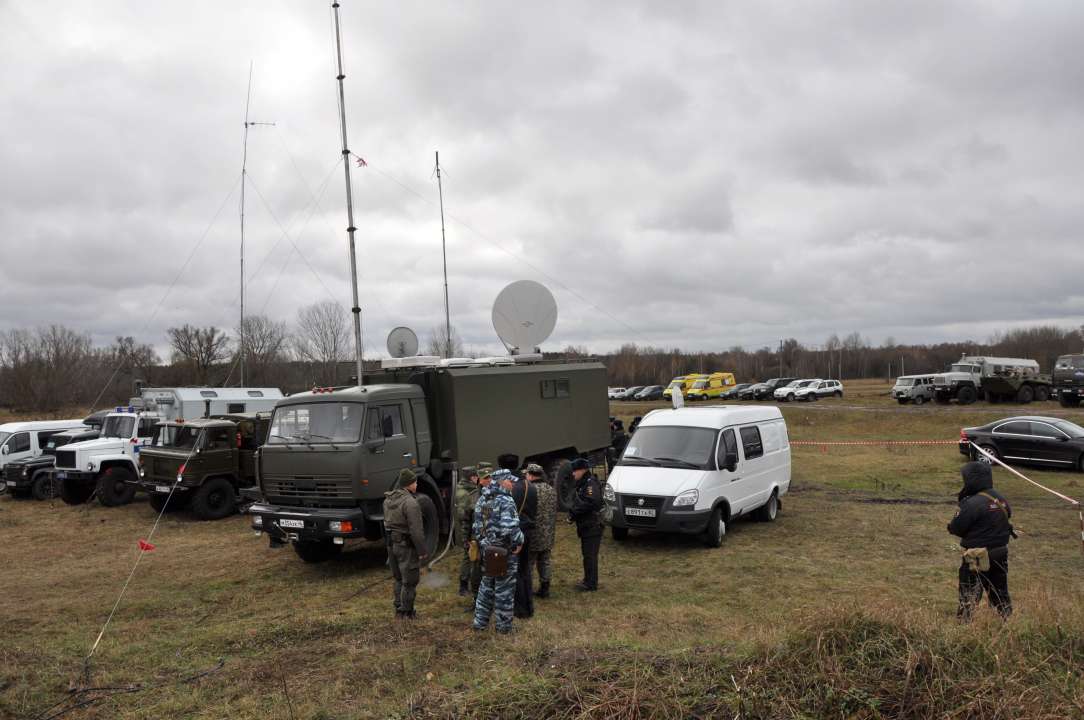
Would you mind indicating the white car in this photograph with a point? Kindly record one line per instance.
(820, 389)
(613, 393)
(694, 470)
(789, 392)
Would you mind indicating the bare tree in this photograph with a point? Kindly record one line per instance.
(444, 341)
(266, 344)
(47, 369)
(322, 339)
(128, 360)
(201, 348)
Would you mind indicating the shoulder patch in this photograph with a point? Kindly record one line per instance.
(590, 490)
(957, 512)
(993, 507)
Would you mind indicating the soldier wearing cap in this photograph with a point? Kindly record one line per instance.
(406, 542)
(586, 501)
(497, 523)
(467, 492)
(544, 529)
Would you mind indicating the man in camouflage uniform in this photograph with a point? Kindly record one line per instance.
(544, 529)
(406, 542)
(496, 523)
(467, 492)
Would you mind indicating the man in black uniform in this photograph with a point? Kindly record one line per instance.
(586, 501)
(618, 440)
(982, 524)
(525, 496)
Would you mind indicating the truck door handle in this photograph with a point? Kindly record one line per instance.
(406, 454)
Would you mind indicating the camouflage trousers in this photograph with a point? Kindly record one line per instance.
(470, 572)
(406, 569)
(540, 559)
(496, 597)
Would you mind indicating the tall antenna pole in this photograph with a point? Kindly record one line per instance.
(444, 250)
(349, 195)
(244, 165)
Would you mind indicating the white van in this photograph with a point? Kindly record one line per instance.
(20, 440)
(693, 470)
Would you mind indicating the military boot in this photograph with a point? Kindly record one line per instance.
(543, 590)
(410, 615)
(464, 591)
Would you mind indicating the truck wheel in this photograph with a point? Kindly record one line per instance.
(1068, 401)
(1025, 394)
(75, 493)
(901, 401)
(919, 399)
(993, 397)
(716, 528)
(941, 398)
(563, 482)
(966, 395)
(316, 551)
(45, 487)
(769, 510)
(215, 499)
(113, 487)
(430, 526)
(619, 533)
(1042, 393)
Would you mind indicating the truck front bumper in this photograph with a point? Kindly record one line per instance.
(1070, 391)
(79, 476)
(296, 523)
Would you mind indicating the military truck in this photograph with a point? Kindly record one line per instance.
(962, 381)
(35, 475)
(1019, 384)
(104, 467)
(331, 454)
(1068, 378)
(215, 458)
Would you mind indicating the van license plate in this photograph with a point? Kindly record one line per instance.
(161, 488)
(62, 476)
(292, 523)
(640, 512)
(11, 483)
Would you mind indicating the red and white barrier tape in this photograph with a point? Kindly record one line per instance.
(884, 442)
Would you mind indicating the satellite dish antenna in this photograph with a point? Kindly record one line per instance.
(402, 342)
(524, 315)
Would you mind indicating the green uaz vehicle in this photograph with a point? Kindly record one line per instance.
(1069, 380)
(331, 454)
(215, 457)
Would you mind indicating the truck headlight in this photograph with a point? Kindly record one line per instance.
(608, 493)
(689, 497)
(90, 466)
(257, 520)
(335, 526)
(142, 472)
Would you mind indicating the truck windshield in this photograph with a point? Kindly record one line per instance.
(164, 435)
(185, 437)
(317, 423)
(670, 447)
(963, 368)
(1070, 429)
(118, 426)
(905, 382)
(1070, 363)
(56, 441)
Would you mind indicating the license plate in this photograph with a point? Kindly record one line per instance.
(292, 524)
(640, 512)
(161, 488)
(62, 476)
(11, 483)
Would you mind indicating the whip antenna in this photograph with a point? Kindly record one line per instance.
(444, 252)
(349, 194)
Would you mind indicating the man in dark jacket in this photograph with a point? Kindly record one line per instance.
(406, 547)
(982, 524)
(586, 501)
(525, 496)
(618, 440)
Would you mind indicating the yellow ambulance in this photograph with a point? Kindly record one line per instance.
(710, 386)
(685, 382)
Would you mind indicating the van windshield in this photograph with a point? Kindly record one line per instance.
(700, 384)
(676, 384)
(905, 382)
(689, 447)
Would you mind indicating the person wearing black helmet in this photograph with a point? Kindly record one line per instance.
(586, 501)
(982, 524)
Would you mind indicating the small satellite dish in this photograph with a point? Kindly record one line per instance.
(524, 315)
(402, 342)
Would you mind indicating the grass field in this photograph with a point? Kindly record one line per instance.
(844, 607)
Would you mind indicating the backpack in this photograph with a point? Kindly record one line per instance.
(605, 514)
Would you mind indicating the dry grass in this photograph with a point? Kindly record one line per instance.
(843, 608)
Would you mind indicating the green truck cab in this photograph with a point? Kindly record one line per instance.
(331, 454)
(215, 458)
(1068, 378)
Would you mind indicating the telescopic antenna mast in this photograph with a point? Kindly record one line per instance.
(444, 251)
(349, 195)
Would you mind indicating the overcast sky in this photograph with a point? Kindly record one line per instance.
(708, 174)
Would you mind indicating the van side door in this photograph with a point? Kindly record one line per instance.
(725, 483)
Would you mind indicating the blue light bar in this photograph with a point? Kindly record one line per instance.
(131, 409)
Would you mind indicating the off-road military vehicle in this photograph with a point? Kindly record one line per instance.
(34, 475)
(1019, 384)
(962, 381)
(331, 454)
(1068, 380)
(104, 467)
(215, 458)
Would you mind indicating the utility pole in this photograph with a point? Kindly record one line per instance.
(780, 358)
(444, 251)
(358, 349)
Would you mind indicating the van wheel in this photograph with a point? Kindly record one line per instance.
(1025, 394)
(1042, 393)
(769, 510)
(619, 533)
(113, 487)
(45, 487)
(563, 482)
(837, 394)
(716, 528)
(215, 499)
(75, 493)
(316, 551)
(919, 399)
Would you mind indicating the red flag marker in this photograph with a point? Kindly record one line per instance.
(826, 448)
(145, 546)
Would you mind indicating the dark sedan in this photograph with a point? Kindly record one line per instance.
(1041, 441)
(630, 393)
(652, 392)
(732, 393)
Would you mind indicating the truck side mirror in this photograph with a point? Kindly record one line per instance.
(730, 462)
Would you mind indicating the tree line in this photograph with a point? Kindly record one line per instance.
(53, 369)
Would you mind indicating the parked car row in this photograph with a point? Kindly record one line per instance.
(721, 386)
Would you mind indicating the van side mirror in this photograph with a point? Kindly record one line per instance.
(4, 450)
(730, 462)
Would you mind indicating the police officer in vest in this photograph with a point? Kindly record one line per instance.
(982, 524)
(496, 523)
(586, 501)
(406, 542)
